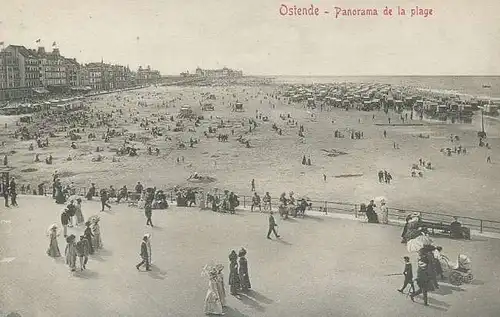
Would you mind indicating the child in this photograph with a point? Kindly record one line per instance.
(408, 274)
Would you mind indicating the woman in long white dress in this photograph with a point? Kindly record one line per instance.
(78, 212)
(96, 231)
(212, 305)
(148, 244)
(384, 212)
(220, 284)
(201, 200)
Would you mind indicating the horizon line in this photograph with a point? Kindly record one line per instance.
(291, 75)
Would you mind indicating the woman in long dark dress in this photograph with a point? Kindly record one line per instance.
(89, 235)
(60, 197)
(370, 213)
(234, 278)
(243, 271)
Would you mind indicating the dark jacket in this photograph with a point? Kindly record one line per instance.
(82, 247)
(272, 223)
(64, 218)
(408, 272)
(144, 250)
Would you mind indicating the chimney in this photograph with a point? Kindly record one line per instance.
(41, 50)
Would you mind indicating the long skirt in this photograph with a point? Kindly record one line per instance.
(53, 250)
(234, 283)
(385, 217)
(79, 217)
(96, 241)
(71, 261)
(212, 303)
(245, 281)
(222, 292)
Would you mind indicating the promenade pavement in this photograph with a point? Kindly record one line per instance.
(322, 266)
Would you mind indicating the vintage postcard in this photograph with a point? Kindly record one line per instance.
(251, 158)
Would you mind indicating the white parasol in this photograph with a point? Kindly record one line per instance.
(51, 227)
(205, 272)
(414, 245)
(74, 198)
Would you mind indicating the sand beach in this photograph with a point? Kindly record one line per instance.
(458, 185)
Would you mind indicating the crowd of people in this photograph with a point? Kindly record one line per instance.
(150, 198)
(90, 239)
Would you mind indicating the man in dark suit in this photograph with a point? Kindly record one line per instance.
(144, 255)
(4, 190)
(12, 192)
(272, 225)
(408, 274)
(422, 281)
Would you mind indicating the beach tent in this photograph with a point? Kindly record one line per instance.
(207, 107)
(186, 110)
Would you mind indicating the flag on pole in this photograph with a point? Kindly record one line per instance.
(37, 41)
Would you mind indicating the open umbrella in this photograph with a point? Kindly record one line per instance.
(414, 245)
(75, 197)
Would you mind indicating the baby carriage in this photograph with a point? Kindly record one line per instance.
(458, 273)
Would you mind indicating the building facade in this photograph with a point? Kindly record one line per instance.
(27, 72)
(96, 75)
(19, 72)
(72, 69)
(216, 73)
(147, 76)
(52, 69)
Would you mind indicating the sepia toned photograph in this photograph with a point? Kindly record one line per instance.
(327, 158)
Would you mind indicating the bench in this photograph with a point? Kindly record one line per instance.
(133, 198)
(445, 228)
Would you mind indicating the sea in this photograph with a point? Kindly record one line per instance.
(484, 87)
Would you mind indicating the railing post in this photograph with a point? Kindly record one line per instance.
(481, 226)
(355, 211)
(244, 201)
(326, 207)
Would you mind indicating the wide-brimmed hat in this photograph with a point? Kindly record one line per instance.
(242, 252)
(70, 238)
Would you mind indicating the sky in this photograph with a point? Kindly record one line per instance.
(462, 37)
